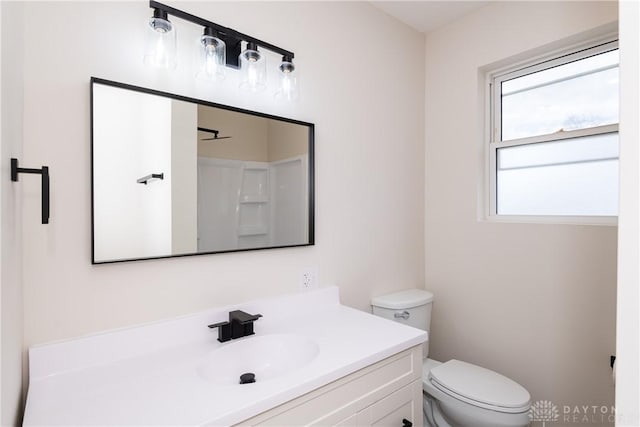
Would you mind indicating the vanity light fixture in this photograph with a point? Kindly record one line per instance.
(220, 47)
(289, 88)
(254, 69)
(161, 41)
(212, 55)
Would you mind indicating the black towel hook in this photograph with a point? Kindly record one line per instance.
(44, 172)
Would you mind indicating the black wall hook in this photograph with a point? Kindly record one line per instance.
(44, 173)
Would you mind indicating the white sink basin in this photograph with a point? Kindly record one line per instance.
(266, 356)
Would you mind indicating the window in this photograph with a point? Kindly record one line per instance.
(553, 149)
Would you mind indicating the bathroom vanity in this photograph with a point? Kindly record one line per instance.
(315, 362)
(383, 394)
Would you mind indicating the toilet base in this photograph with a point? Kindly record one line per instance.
(459, 414)
(432, 415)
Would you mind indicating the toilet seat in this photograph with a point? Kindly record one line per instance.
(479, 387)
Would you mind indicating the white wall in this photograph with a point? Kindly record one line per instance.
(628, 381)
(535, 302)
(132, 220)
(12, 194)
(369, 136)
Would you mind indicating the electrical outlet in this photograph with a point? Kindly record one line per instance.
(308, 279)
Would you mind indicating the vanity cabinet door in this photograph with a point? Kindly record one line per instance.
(403, 404)
(352, 420)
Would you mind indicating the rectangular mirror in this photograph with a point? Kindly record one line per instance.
(175, 176)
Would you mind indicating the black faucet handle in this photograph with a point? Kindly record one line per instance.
(242, 317)
(253, 318)
(224, 330)
(217, 325)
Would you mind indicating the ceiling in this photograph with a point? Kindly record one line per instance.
(427, 15)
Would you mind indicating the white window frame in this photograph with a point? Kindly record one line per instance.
(493, 127)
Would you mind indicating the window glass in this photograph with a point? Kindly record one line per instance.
(576, 95)
(577, 176)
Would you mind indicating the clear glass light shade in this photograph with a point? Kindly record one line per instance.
(253, 66)
(212, 58)
(289, 82)
(160, 46)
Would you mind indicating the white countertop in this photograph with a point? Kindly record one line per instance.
(148, 375)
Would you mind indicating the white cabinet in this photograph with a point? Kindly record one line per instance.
(382, 394)
(404, 404)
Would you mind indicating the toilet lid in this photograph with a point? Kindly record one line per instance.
(408, 298)
(480, 386)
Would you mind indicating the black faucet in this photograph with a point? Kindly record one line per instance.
(240, 325)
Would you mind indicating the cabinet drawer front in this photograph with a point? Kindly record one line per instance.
(336, 402)
(405, 403)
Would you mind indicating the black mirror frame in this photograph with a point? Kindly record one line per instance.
(311, 183)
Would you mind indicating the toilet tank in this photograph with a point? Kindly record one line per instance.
(411, 307)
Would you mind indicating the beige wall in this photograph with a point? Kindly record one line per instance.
(12, 194)
(369, 193)
(535, 302)
(248, 135)
(253, 138)
(287, 140)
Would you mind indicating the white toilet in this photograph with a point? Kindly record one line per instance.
(456, 394)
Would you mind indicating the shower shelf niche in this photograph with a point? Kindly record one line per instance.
(253, 204)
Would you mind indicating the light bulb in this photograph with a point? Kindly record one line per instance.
(212, 56)
(254, 69)
(252, 76)
(160, 50)
(288, 89)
